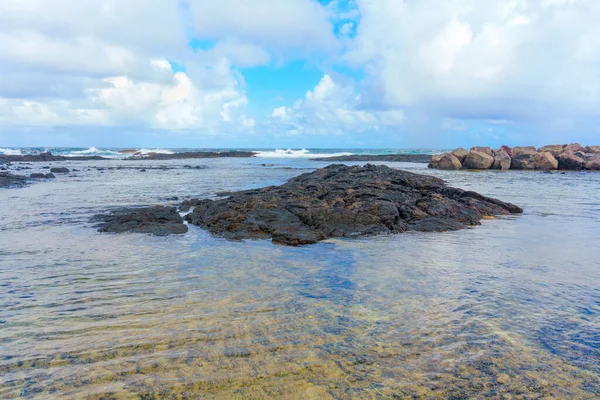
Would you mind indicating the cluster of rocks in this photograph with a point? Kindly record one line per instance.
(344, 201)
(564, 157)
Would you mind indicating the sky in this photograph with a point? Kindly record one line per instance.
(299, 73)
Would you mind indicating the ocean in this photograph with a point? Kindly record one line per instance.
(508, 309)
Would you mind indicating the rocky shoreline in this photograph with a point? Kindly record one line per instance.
(344, 201)
(49, 157)
(566, 157)
(191, 155)
(414, 158)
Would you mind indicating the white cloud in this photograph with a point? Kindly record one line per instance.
(334, 107)
(104, 62)
(518, 59)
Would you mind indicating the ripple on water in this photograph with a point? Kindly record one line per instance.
(508, 308)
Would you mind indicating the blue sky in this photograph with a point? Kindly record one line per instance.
(299, 73)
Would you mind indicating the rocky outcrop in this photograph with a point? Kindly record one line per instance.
(345, 201)
(449, 162)
(478, 160)
(545, 161)
(8, 180)
(572, 157)
(157, 220)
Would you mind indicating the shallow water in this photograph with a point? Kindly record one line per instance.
(506, 309)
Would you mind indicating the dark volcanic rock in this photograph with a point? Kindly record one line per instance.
(192, 154)
(46, 157)
(157, 220)
(59, 170)
(416, 158)
(8, 180)
(343, 201)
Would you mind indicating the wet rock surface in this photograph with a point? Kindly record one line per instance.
(156, 220)
(343, 201)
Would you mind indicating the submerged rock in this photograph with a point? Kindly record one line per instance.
(42, 176)
(8, 180)
(60, 170)
(345, 201)
(157, 220)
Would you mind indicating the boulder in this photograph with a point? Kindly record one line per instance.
(570, 161)
(554, 149)
(507, 149)
(481, 149)
(461, 154)
(545, 161)
(435, 159)
(478, 160)
(523, 161)
(502, 160)
(59, 170)
(345, 201)
(449, 162)
(573, 147)
(593, 149)
(157, 220)
(593, 162)
(523, 150)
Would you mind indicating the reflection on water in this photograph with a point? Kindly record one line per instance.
(507, 309)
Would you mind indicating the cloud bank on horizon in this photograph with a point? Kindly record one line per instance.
(270, 73)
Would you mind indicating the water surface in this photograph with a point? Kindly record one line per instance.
(507, 309)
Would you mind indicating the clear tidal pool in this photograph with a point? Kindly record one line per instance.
(508, 309)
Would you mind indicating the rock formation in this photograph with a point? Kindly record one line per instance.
(345, 201)
(157, 220)
(572, 157)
